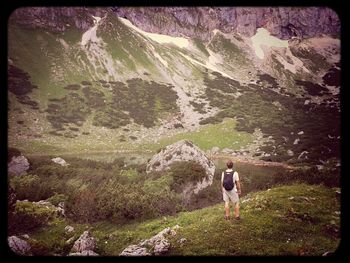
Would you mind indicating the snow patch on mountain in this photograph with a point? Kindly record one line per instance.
(263, 38)
(181, 42)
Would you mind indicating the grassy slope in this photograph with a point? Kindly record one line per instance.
(221, 135)
(272, 224)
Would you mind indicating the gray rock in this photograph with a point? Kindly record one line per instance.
(215, 150)
(84, 253)
(135, 250)
(182, 240)
(18, 165)
(156, 245)
(303, 154)
(290, 153)
(84, 242)
(183, 150)
(19, 246)
(69, 229)
(59, 161)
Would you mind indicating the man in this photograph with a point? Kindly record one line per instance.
(231, 189)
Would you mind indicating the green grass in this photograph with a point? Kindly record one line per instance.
(231, 51)
(221, 135)
(286, 220)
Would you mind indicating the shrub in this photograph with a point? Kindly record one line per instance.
(82, 207)
(57, 198)
(30, 187)
(28, 217)
(186, 172)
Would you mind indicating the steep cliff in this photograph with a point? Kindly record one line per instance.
(194, 22)
(56, 19)
(199, 22)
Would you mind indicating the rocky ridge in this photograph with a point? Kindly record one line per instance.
(193, 22)
(199, 22)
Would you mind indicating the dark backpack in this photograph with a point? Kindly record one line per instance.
(228, 183)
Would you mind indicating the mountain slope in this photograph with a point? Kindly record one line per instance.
(105, 84)
(288, 220)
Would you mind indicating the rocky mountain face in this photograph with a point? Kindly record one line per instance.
(195, 22)
(199, 22)
(56, 19)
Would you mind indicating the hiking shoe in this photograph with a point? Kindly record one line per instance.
(238, 218)
(227, 217)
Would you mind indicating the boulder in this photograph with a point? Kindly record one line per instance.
(180, 151)
(85, 242)
(290, 153)
(156, 245)
(215, 150)
(84, 253)
(69, 229)
(18, 165)
(59, 161)
(135, 250)
(19, 246)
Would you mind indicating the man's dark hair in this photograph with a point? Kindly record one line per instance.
(229, 164)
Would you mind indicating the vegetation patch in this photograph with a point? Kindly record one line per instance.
(145, 101)
(72, 87)
(253, 109)
(72, 109)
(233, 53)
(332, 77)
(312, 88)
(184, 173)
(201, 46)
(310, 58)
(19, 83)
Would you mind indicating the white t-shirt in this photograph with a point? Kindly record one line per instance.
(235, 178)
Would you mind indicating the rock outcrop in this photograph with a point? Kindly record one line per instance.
(193, 22)
(84, 246)
(18, 165)
(156, 245)
(199, 22)
(180, 151)
(19, 246)
(57, 19)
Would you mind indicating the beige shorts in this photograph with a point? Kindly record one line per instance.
(230, 195)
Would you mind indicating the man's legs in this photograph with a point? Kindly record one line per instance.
(227, 210)
(237, 210)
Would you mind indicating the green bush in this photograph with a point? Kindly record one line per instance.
(186, 172)
(83, 206)
(57, 198)
(28, 217)
(30, 187)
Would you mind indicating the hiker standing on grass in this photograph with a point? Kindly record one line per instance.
(231, 189)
